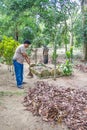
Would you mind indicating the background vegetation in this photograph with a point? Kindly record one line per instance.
(57, 23)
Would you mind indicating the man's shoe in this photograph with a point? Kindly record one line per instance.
(24, 82)
(20, 86)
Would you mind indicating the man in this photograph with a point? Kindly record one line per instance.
(18, 59)
(45, 54)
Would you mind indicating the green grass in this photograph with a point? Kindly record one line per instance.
(10, 93)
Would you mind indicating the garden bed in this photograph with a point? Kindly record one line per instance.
(44, 71)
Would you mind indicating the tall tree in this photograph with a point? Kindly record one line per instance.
(84, 13)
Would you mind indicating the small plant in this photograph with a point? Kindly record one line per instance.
(69, 54)
(66, 68)
(71, 51)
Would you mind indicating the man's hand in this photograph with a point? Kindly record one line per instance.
(26, 58)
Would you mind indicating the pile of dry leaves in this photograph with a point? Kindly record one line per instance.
(63, 105)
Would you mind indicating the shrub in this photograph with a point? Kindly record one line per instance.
(7, 49)
(66, 68)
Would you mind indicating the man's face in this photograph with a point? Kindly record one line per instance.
(26, 45)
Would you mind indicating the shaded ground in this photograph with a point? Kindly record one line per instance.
(12, 113)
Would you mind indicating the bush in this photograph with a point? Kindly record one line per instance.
(66, 68)
(7, 49)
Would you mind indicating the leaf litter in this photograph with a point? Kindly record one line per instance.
(56, 104)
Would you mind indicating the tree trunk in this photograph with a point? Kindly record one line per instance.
(16, 33)
(35, 55)
(84, 13)
(71, 37)
(55, 60)
(55, 52)
(65, 35)
(65, 48)
(71, 32)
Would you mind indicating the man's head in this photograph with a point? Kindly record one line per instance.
(27, 43)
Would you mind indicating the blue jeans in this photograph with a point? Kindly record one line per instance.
(18, 68)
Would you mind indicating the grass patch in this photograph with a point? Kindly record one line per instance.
(0, 103)
(10, 93)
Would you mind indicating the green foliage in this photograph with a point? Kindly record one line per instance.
(29, 50)
(1, 49)
(64, 33)
(66, 68)
(25, 18)
(54, 56)
(71, 51)
(7, 48)
(78, 31)
(69, 54)
(2, 60)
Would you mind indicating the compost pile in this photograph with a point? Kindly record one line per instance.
(44, 71)
(61, 105)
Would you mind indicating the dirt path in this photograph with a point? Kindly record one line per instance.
(12, 113)
(13, 117)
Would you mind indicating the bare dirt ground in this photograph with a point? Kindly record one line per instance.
(13, 115)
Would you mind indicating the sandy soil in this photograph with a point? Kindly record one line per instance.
(13, 115)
